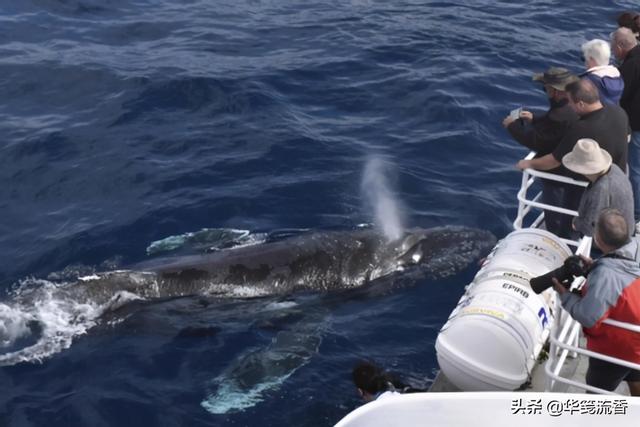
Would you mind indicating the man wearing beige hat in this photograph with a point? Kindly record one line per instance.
(609, 187)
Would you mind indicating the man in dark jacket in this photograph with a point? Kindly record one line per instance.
(626, 49)
(542, 132)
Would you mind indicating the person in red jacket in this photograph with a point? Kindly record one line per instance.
(612, 291)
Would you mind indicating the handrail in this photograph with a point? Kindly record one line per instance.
(554, 375)
(540, 205)
(558, 178)
(597, 355)
(552, 176)
(525, 205)
(628, 326)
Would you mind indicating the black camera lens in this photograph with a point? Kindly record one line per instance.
(573, 266)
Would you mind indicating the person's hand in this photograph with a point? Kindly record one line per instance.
(558, 286)
(523, 164)
(526, 115)
(507, 121)
(587, 261)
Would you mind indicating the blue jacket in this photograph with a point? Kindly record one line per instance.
(609, 82)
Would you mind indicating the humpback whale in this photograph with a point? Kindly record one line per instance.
(319, 261)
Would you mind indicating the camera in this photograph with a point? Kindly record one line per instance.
(573, 266)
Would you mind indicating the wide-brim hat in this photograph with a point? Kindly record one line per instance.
(556, 77)
(587, 158)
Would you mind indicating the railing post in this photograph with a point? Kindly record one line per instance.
(525, 205)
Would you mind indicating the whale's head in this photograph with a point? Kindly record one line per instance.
(443, 250)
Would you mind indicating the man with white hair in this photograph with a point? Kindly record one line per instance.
(626, 49)
(608, 187)
(605, 77)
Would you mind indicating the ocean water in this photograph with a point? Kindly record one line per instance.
(130, 128)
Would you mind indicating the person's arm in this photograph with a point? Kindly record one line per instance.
(539, 132)
(551, 161)
(592, 308)
(543, 163)
(523, 133)
(591, 204)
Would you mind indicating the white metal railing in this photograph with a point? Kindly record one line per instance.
(565, 333)
(525, 205)
(564, 345)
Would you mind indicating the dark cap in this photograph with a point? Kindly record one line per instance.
(557, 78)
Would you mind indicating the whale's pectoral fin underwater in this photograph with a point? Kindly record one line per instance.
(260, 371)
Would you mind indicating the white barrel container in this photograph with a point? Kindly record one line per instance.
(496, 331)
(530, 251)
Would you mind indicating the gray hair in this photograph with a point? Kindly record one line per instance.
(598, 50)
(612, 228)
(624, 37)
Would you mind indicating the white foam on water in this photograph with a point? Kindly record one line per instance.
(231, 398)
(60, 320)
(280, 305)
(207, 239)
(243, 291)
(168, 243)
(120, 299)
(13, 325)
(250, 240)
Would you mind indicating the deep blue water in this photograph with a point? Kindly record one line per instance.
(123, 122)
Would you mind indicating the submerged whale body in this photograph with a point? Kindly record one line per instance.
(316, 261)
(42, 318)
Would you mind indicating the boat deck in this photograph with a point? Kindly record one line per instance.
(574, 368)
